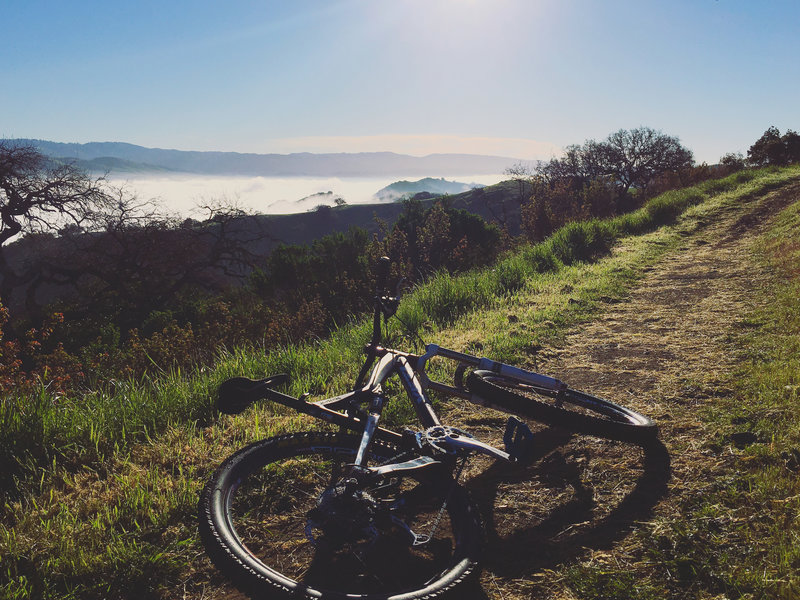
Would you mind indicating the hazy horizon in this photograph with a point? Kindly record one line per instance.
(497, 77)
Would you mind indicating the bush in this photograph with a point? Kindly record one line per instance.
(580, 241)
(541, 258)
(733, 162)
(511, 274)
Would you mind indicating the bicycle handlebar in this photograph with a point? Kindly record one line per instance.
(384, 263)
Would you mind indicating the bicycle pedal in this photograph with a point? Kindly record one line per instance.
(518, 440)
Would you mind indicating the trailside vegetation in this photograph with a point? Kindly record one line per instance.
(98, 513)
(599, 179)
(40, 420)
(149, 296)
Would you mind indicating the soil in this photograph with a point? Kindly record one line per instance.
(664, 352)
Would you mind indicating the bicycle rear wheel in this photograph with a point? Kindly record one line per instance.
(259, 524)
(570, 409)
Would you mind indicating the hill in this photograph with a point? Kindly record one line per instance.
(496, 203)
(263, 233)
(119, 166)
(433, 186)
(360, 164)
(685, 310)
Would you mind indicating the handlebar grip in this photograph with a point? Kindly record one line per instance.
(384, 262)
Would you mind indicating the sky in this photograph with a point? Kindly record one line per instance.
(517, 78)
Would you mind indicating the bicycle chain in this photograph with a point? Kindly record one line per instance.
(446, 500)
(440, 514)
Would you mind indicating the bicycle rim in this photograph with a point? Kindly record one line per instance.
(570, 409)
(256, 526)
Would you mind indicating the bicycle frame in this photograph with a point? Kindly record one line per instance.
(410, 369)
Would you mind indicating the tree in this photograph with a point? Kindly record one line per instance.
(636, 157)
(536, 219)
(769, 149)
(38, 196)
(133, 260)
(791, 141)
(732, 161)
(100, 253)
(522, 174)
(596, 178)
(626, 159)
(579, 166)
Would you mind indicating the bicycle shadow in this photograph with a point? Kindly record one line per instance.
(570, 523)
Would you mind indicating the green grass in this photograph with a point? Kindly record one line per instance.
(591, 583)
(740, 536)
(40, 429)
(108, 481)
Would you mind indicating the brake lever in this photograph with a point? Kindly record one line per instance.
(389, 304)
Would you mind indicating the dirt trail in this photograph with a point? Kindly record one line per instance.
(663, 352)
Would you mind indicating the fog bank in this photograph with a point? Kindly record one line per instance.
(183, 193)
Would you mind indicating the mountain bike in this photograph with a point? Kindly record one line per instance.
(357, 510)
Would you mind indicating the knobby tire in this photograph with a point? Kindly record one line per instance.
(253, 519)
(570, 409)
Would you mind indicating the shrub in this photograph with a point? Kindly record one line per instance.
(511, 274)
(541, 258)
(580, 241)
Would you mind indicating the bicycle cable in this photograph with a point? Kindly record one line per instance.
(411, 332)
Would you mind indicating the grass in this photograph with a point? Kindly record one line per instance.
(108, 482)
(740, 537)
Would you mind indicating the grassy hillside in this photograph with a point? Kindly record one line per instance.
(108, 484)
(491, 202)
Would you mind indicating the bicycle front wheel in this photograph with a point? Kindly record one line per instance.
(569, 409)
(259, 521)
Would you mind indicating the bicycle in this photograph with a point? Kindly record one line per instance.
(378, 513)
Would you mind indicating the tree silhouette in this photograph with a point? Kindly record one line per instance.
(38, 196)
(769, 149)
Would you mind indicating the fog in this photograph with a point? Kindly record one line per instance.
(183, 193)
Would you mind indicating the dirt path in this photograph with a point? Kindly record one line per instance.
(663, 352)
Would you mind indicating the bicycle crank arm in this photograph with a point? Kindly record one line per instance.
(452, 440)
(465, 443)
(416, 464)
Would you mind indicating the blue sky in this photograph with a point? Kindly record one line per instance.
(519, 78)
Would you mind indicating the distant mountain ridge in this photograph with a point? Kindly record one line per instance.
(382, 164)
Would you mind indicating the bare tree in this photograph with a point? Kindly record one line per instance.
(579, 166)
(636, 157)
(112, 253)
(626, 159)
(40, 196)
(522, 174)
